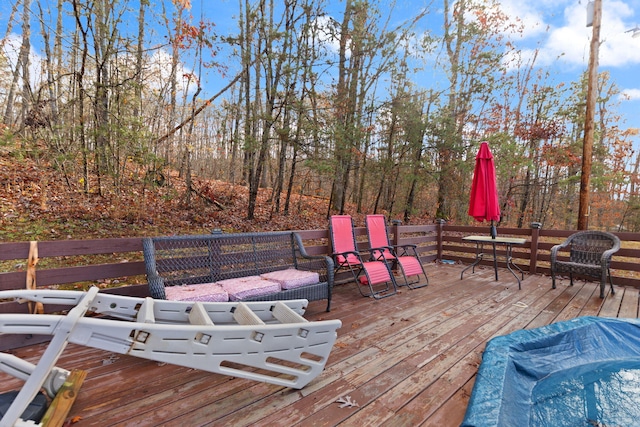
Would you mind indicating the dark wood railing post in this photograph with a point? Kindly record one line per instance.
(533, 259)
(441, 222)
(396, 231)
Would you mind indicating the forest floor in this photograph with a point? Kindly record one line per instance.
(40, 202)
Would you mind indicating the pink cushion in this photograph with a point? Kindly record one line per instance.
(209, 292)
(410, 265)
(247, 287)
(378, 272)
(292, 278)
(350, 259)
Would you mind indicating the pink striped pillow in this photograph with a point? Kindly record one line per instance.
(208, 292)
(292, 278)
(247, 287)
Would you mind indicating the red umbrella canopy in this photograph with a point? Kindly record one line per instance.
(483, 203)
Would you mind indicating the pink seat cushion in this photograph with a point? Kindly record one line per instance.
(377, 271)
(209, 292)
(350, 259)
(292, 278)
(247, 287)
(410, 265)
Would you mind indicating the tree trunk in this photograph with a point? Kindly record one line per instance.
(344, 119)
(21, 70)
(139, 58)
(79, 75)
(589, 124)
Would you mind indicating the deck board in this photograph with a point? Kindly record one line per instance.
(629, 305)
(406, 360)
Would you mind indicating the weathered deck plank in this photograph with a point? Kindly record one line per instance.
(629, 305)
(406, 360)
(611, 305)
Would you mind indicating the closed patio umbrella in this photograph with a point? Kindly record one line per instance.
(483, 202)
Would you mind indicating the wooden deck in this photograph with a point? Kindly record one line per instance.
(406, 360)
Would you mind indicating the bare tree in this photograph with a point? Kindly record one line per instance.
(21, 70)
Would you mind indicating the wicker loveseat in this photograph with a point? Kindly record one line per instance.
(590, 254)
(245, 266)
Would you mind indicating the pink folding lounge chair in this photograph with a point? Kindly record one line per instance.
(373, 278)
(406, 256)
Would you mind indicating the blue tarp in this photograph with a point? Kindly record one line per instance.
(581, 372)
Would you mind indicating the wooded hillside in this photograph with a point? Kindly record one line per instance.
(36, 203)
(312, 114)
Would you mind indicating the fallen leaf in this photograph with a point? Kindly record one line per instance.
(346, 402)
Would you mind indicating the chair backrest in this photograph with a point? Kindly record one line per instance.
(377, 231)
(588, 246)
(343, 237)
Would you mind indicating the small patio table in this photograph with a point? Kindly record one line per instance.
(507, 242)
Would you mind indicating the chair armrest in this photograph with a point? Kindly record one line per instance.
(381, 249)
(303, 250)
(344, 254)
(605, 259)
(156, 286)
(155, 281)
(407, 249)
(330, 271)
(555, 249)
(340, 264)
(327, 259)
(406, 245)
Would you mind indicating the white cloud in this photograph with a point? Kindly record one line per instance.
(568, 37)
(532, 20)
(158, 74)
(563, 48)
(326, 30)
(630, 94)
(11, 49)
(618, 47)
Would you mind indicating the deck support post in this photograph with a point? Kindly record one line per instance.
(533, 258)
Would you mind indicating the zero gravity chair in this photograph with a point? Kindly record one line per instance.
(373, 277)
(405, 256)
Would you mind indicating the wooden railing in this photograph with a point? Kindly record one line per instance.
(117, 265)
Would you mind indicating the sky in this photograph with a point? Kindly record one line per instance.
(556, 27)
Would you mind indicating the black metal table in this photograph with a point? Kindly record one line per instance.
(507, 242)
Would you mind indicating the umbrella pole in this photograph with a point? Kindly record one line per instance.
(495, 260)
(495, 256)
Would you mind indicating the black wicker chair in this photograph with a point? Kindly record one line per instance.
(590, 255)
